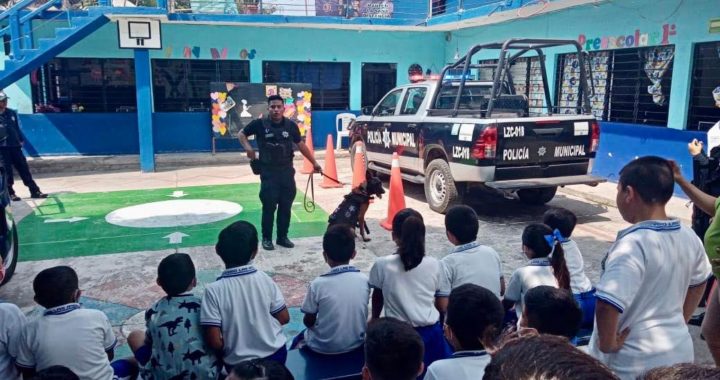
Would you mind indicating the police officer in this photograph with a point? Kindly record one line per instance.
(11, 141)
(275, 138)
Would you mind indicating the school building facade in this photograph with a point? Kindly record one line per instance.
(92, 97)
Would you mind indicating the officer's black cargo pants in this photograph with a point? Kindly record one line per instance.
(277, 191)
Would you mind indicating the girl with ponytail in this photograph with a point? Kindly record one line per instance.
(547, 265)
(412, 287)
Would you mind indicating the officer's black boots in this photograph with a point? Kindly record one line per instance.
(267, 245)
(38, 195)
(285, 242)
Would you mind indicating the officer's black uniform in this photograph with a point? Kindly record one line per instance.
(11, 139)
(277, 177)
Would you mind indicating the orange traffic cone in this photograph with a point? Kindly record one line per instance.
(397, 194)
(358, 167)
(330, 168)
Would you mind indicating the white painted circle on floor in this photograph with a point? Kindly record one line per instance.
(174, 213)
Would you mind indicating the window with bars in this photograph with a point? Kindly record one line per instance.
(84, 85)
(704, 109)
(628, 85)
(330, 81)
(526, 76)
(183, 85)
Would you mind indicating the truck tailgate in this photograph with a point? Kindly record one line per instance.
(544, 142)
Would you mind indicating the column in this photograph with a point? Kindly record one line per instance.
(143, 88)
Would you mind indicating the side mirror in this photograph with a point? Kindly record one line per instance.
(367, 110)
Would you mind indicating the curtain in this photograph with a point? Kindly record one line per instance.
(657, 61)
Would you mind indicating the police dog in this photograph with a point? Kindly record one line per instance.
(352, 209)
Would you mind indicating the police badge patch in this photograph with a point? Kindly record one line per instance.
(285, 134)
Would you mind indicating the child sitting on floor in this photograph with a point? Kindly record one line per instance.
(564, 221)
(336, 304)
(474, 321)
(172, 344)
(12, 321)
(243, 311)
(66, 334)
(546, 266)
(411, 286)
(550, 310)
(470, 262)
(393, 351)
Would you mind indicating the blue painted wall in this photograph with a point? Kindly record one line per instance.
(73, 134)
(621, 143)
(190, 132)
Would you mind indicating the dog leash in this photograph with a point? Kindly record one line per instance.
(309, 204)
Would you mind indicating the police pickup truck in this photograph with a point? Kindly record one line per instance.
(472, 128)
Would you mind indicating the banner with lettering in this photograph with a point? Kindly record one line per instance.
(355, 8)
(234, 105)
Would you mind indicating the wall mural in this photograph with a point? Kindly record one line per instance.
(354, 8)
(234, 105)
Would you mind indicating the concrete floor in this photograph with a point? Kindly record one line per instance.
(125, 282)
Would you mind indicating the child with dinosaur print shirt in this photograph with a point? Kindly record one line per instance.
(172, 347)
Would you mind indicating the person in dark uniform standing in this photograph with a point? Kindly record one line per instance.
(276, 135)
(11, 142)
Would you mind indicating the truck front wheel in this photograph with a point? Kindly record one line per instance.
(441, 191)
(537, 196)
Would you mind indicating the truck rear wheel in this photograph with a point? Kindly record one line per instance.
(537, 196)
(441, 191)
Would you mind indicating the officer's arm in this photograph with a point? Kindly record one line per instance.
(246, 145)
(306, 152)
(21, 135)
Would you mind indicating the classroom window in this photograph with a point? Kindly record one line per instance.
(704, 109)
(183, 85)
(377, 80)
(84, 85)
(628, 85)
(330, 81)
(526, 76)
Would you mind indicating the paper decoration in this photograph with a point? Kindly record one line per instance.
(187, 53)
(196, 51)
(233, 109)
(215, 54)
(168, 52)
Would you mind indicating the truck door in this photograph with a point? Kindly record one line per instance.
(379, 141)
(407, 128)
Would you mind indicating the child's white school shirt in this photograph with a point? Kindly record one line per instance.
(340, 300)
(12, 321)
(535, 273)
(242, 303)
(70, 336)
(410, 295)
(462, 365)
(646, 276)
(579, 282)
(473, 263)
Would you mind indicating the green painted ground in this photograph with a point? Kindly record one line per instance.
(94, 236)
